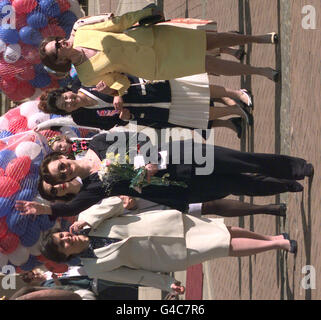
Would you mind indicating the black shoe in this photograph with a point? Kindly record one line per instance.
(247, 115)
(276, 75)
(293, 246)
(237, 122)
(309, 170)
(283, 208)
(240, 53)
(250, 98)
(295, 187)
(286, 236)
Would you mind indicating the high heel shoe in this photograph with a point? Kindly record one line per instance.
(246, 114)
(237, 122)
(276, 75)
(285, 236)
(274, 37)
(309, 170)
(293, 247)
(283, 208)
(249, 96)
(239, 54)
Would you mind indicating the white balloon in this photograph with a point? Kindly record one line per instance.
(29, 108)
(37, 118)
(4, 123)
(28, 148)
(3, 260)
(12, 53)
(3, 46)
(19, 256)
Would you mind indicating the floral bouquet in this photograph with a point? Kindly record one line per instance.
(115, 168)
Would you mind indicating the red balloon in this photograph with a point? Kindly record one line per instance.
(24, 6)
(9, 243)
(64, 5)
(9, 86)
(1, 172)
(50, 133)
(26, 90)
(8, 187)
(7, 70)
(21, 21)
(18, 168)
(30, 53)
(3, 227)
(2, 145)
(12, 113)
(27, 70)
(14, 141)
(52, 30)
(18, 123)
(56, 267)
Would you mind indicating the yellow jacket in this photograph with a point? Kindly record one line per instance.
(159, 52)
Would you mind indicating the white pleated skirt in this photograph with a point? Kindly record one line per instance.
(190, 101)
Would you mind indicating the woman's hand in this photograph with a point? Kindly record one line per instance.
(103, 88)
(118, 103)
(129, 203)
(152, 169)
(125, 114)
(177, 288)
(77, 226)
(32, 207)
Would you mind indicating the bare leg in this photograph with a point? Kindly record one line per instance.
(232, 52)
(246, 243)
(224, 124)
(227, 39)
(227, 95)
(234, 208)
(219, 112)
(229, 68)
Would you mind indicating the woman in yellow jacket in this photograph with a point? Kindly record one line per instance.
(103, 51)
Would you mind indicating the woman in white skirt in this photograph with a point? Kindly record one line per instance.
(151, 242)
(183, 102)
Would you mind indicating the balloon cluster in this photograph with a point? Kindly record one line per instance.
(21, 152)
(24, 24)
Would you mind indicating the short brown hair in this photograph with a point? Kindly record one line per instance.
(51, 60)
(44, 172)
(48, 101)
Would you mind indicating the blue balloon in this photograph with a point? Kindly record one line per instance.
(17, 223)
(32, 234)
(53, 116)
(44, 222)
(5, 157)
(6, 206)
(26, 195)
(2, 4)
(41, 80)
(32, 263)
(37, 20)
(49, 8)
(9, 35)
(66, 21)
(5, 134)
(39, 68)
(30, 35)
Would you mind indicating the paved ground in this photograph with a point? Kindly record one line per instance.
(287, 120)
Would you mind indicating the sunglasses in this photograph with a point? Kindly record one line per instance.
(57, 46)
(62, 167)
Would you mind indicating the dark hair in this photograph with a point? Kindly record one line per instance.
(44, 172)
(51, 60)
(52, 197)
(25, 277)
(48, 101)
(50, 250)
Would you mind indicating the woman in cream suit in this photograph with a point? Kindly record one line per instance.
(103, 51)
(151, 242)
